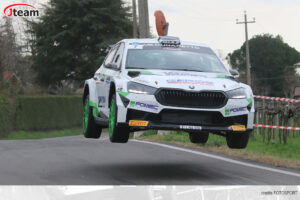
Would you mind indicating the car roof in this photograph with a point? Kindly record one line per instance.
(155, 41)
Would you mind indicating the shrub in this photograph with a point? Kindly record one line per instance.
(5, 116)
(48, 112)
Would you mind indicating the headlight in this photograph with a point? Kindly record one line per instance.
(140, 88)
(239, 93)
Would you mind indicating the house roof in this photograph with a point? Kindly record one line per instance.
(7, 75)
(297, 91)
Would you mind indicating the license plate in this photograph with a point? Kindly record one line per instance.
(238, 128)
(138, 123)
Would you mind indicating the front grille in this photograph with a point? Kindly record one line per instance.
(187, 117)
(181, 98)
(204, 118)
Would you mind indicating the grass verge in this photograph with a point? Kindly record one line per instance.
(276, 154)
(29, 135)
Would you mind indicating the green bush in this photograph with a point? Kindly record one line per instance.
(48, 112)
(5, 116)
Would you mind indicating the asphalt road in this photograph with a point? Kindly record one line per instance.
(76, 160)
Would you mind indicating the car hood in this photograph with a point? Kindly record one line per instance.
(186, 80)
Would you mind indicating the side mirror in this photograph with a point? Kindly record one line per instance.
(111, 66)
(234, 72)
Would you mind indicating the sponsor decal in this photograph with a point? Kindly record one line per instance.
(101, 101)
(143, 105)
(142, 81)
(182, 74)
(138, 123)
(136, 45)
(98, 82)
(107, 80)
(249, 100)
(238, 128)
(234, 110)
(190, 46)
(191, 82)
(187, 127)
(192, 87)
(118, 77)
(119, 87)
(173, 48)
(21, 10)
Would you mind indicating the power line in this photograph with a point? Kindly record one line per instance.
(246, 22)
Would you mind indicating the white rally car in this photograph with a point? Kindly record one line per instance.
(167, 84)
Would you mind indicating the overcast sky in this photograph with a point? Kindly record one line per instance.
(213, 21)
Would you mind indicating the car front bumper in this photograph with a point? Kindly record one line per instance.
(171, 118)
(177, 127)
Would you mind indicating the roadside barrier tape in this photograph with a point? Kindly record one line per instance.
(277, 99)
(278, 127)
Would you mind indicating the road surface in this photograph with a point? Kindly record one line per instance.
(78, 161)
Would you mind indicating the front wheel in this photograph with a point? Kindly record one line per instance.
(90, 128)
(117, 133)
(199, 137)
(237, 140)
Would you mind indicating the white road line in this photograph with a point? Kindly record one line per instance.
(220, 158)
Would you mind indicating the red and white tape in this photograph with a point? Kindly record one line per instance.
(278, 127)
(277, 99)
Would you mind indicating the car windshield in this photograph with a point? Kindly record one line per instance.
(188, 59)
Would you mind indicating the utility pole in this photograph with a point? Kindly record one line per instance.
(144, 29)
(246, 22)
(134, 18)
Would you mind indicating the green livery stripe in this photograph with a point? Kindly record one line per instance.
(104, 71)
(132, 103)
(227, 112)
(141, 71)
(92, 104)
(249, 100)
(125, 94)
(223, 76)
(95, 108)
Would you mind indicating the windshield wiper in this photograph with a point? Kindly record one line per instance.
(193, 70)
(136, 68)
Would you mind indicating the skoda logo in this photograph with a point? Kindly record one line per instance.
(192, 87)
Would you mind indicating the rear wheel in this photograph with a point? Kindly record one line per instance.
(199, 137)
(237, 140)
(90, 128)
(117, 133)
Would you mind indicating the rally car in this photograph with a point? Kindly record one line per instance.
(167, 84)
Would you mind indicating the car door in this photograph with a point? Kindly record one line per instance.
(110, 73)
(102, 83)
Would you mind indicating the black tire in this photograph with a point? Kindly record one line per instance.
(237, 140)
(199, 137)
(90, 128)
(117, 133)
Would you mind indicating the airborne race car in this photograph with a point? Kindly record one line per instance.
(167, 84)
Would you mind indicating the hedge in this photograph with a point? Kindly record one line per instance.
(5, 116)
(48, 112)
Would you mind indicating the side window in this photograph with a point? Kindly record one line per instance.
(119, 55)
(110, 55)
